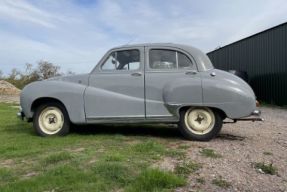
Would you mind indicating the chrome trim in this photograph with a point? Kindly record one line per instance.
(169, 119)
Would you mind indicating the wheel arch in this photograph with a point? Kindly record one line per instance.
(219, 111)
(42, 100)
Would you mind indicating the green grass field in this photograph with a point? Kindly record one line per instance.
(94, 158)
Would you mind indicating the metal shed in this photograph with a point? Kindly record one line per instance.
(264, 57)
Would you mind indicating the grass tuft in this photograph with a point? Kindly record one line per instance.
(267, 153)
(186, 168)
(114, 157)
(266, 168)
(147, 147)
(113, 172)
(56, 158)
(210, 153)
(175, 153)
(6, 175)
(220, 182)
(156, 180)
(183, 147)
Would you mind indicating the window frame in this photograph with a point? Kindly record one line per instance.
(192, 60)
(97, 68)
(116, 52)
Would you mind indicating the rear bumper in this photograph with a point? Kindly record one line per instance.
(254, 116)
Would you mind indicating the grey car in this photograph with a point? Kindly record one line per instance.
(143, 83)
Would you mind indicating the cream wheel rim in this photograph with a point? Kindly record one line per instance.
(199, 120)
(51, 120)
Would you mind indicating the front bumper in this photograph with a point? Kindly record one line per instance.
(21, 114)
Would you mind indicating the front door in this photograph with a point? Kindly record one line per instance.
(116, 86)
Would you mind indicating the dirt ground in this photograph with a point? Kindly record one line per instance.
(9, 98)
(242, 145)
(8, 92)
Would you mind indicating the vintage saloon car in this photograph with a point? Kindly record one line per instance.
(144, 83)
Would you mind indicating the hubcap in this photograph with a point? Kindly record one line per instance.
(51, 120)
(199, 120)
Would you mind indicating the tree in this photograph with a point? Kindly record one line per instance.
(44, 70)
(30, 74)
(47, 70)
(15, 74)
(1, 74)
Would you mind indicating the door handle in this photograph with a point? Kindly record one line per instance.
(190, 72)
(136, 74)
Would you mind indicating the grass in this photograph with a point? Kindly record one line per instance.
(266, 168)
(210, 153)
(220, 182)
(95, 159)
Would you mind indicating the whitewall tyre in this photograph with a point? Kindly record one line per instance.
(51, 119)
(200, 123)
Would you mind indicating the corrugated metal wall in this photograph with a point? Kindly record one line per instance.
(264, 57)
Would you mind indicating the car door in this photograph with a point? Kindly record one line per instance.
(171, 78)
(116, 86)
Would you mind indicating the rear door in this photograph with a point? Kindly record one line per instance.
(170, 69)
(116, 86)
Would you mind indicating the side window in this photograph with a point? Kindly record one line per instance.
(123, 60)
(162, 59)
(168, 59)
(183, 61)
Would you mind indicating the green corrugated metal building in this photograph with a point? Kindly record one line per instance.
(264, 57)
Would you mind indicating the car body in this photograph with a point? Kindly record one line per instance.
(143, 83)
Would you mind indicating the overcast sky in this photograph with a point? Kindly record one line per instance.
(74, 34)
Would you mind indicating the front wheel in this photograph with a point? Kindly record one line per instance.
(200, 123)
(51, 119)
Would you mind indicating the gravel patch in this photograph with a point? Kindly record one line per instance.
(241, 145)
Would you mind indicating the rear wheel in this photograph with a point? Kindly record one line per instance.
(51, 119)
(201, 124)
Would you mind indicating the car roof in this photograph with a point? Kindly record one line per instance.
(203, 62)
(175, 45)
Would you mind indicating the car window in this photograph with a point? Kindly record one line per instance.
(122, 60)
(183, 61)
(162, 59)
(168, 59)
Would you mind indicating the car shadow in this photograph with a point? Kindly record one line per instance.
(169, 131)
(230, 137)
(163, 131)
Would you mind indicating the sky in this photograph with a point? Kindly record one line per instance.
(75, 34)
